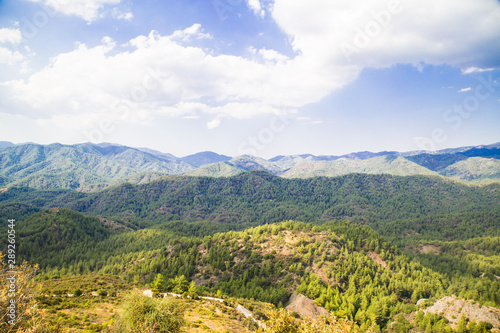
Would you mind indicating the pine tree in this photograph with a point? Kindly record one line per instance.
(158, 285)
(462, 325)
(179, 284)
(192, 290)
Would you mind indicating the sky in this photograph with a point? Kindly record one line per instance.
(259, 77)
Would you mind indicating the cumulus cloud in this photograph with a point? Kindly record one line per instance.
(193, 32)
(465, 89)
(255, 6)
(168, 75)
(9, 35)
(381, 33)
(272, 55)
(214, 123)
(10, 57)
(157, 75)
(89, 10)
(118, 14)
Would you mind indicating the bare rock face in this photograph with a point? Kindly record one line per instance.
(305, 306)
(453, 308)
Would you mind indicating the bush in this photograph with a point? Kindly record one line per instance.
(144, 314)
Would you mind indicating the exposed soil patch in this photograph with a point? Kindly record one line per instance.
(426, 249)
(305, 306)
(453, 308)
(376, 257)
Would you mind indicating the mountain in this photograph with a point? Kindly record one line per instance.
(471, 150)
(482, 152)
(135, 178)
(436, 162)
(376, 245)
(54, 230)
(79, 166)
(387, 164)
(477, 165)
(259, 197)
(4, 144)
(93, 167)
(16, 211)
(221, 169)
(207, 157)
(287, 162)
(250, 163)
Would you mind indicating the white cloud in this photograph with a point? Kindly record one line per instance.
(157, 75)
(471, 70)
(381, 33)
(118, 14)
(10, 57)
(214, 123)
(255, 6)
(193, 32)
(8, 35)
(272, 55)
(465, 89)
(89, 10)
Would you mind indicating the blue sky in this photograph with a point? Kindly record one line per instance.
(261, 77)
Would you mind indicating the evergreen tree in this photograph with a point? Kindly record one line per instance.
(179, 284)
(158, 285)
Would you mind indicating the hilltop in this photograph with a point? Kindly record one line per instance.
(91, 167)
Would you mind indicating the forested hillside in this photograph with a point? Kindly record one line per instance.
(368, 247)
(92, 167)
(79, 166)
(350, 270)
(258, 197)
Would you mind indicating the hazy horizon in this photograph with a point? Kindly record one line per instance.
(265, 157)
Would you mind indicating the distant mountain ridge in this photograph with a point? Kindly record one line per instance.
(79, 166)
(90, 167)
(206, 157)
(4, 144)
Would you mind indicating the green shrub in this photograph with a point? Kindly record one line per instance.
(144, 314)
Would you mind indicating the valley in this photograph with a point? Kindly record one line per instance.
(374, 241)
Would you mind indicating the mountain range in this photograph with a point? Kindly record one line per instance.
(89, 167)
(379, 234)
